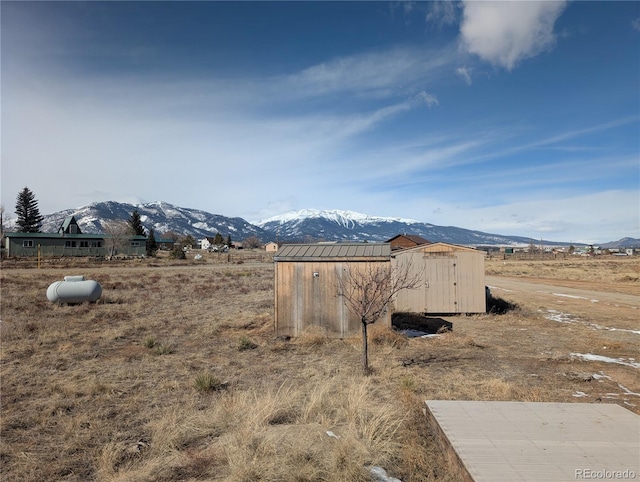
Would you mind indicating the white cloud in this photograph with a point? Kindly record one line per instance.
(429, 99)
(636, 24)
(441, 13)
(465, 73)
(504, 33)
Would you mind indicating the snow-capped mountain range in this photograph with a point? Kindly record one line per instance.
(339, 225)
(298, 226)
(159, 216)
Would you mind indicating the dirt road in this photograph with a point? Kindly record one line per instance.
(617, 313)
(555, 291)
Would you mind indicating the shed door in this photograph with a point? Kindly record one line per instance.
(441, 285)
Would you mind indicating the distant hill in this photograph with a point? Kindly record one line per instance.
(298, 226)
(622, 243)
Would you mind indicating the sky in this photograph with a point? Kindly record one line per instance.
(515, 118)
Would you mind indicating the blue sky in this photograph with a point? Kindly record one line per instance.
(518, 118)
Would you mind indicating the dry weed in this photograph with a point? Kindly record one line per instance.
(86, 396)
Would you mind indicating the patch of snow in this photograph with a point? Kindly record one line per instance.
(380, 475)
(637, 332)
(569, 296)
(627, 391)
(559, 316)
(579, 394)
(600, 376)
(562, 317)
(630, 362)
(331, 434)
(501, 289)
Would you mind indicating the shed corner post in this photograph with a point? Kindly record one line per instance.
(275, 296)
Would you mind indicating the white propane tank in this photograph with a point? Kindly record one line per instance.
(74, 289)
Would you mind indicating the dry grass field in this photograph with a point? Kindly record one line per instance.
(175, 374)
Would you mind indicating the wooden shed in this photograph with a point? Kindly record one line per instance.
(453, 280)
(306, 286)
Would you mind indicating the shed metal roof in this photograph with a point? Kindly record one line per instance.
(325, 252)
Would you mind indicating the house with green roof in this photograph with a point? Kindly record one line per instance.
(70, 241)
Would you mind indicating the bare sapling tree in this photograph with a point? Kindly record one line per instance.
(368, 289)
(118, 237)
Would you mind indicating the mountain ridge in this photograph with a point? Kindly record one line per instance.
(293, 226)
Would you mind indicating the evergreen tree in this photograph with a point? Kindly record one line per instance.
(136, 225)
(29, 217)
(218, 240)
(189, 241)
(228, 243)
(152, 245)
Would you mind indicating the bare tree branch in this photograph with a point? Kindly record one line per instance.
(118, 235)
(369, 287)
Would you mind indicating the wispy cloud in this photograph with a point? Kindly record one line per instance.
(429, 99)
(441, 13)
(374, 74)
(465, 73)
(505, 33)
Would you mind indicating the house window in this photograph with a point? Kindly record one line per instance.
(84, 244)
(135, 243)
(27, 243)
(73, 229)
(96, 244)
(69, 244)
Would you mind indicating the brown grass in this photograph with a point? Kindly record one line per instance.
(607, 271)
(175, 374)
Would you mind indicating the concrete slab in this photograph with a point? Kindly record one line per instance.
(532, 441)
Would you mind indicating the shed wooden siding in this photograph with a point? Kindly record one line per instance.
(453, 280)
(306, 286)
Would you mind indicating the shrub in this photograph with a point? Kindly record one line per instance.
(163, 349)
(245, 343)
(207, 382)
(177, 253)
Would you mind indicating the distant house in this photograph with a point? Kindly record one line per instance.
(271, 247)
(403, 241)
(165, 244)
(68, 241)
(206, 243)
